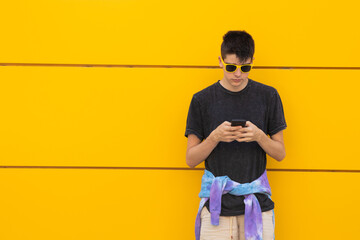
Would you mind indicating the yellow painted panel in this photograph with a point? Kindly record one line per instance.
(96, 204)
(155, 204)
(315, 205)
(306, 33)
(135, 117)
(321, 110)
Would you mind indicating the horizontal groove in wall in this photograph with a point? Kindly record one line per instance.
(163, 66)
(174, 168)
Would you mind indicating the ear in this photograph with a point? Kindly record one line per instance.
(220, 62)
(252, 60)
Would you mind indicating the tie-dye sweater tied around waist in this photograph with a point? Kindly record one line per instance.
(214, 187)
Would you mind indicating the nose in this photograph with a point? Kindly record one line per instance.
(237, 73)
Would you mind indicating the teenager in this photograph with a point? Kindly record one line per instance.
(235, 194)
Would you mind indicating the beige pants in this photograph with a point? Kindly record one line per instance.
(232, 227)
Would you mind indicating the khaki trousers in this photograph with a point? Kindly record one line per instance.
(232, 227)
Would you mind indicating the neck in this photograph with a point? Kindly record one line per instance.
(232, 88)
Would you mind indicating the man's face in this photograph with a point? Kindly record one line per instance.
(237, 80)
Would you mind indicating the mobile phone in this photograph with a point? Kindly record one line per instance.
(238, 122)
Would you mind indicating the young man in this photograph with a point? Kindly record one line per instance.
(234, 185)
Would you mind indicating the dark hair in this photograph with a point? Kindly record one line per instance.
(239, 43)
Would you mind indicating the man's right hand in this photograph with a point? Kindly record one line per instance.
(225, 132)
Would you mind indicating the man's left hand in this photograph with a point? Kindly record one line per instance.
(249, 133)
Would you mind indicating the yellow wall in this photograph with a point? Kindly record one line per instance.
(94, 98)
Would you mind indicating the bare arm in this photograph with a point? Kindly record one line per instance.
(274, 147)
(197, 152)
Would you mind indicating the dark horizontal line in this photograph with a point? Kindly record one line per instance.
(177, 168)
(313, 170)
(163, 66)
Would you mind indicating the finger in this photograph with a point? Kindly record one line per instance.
(244, 130)
(228, 135)
(230, 139)
(236, 128)
(240, 139)
(241, 131)
(249, 134)
(241, 136)
(244, 140)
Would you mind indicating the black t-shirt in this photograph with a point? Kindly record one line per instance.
(242, 162)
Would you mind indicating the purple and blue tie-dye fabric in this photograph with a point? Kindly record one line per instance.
(214, 187)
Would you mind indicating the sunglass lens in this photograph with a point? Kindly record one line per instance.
(246, 68)
(230, 68)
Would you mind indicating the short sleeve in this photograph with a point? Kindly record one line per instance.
(194, 122)
(276, 121)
